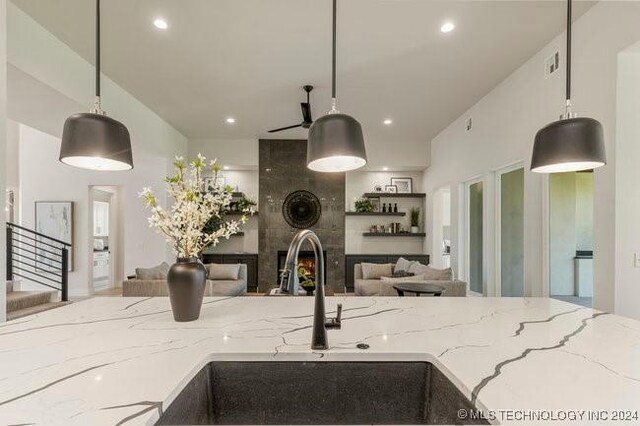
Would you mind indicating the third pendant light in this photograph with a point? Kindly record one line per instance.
(571, 143)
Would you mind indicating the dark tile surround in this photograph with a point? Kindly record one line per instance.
(283, 169)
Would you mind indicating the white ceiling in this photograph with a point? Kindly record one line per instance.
(249, 58)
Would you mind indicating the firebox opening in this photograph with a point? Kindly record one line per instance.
(307, 260)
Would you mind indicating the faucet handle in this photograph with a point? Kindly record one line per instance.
(337, 321)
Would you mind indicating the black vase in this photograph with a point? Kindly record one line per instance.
(187, 279)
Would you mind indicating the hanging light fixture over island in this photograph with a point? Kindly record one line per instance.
(92, 140)
(336, 142)
(571, 143)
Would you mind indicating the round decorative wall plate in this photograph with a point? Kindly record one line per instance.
(301, 209)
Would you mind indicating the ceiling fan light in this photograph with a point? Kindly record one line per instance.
(336, 144)
(567, 145)
(96, 142)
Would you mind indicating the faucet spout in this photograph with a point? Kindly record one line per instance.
(289, 284)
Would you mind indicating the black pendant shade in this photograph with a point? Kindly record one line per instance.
(96, 142)
(92, 140)
(336, 142)
(571, 144)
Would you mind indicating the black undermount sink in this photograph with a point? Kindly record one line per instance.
(317, 393)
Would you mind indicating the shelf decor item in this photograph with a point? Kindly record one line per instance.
(414, 217)
(572, 143)
(392, 189)
(403, 185)
(193, 223)
(364, 205)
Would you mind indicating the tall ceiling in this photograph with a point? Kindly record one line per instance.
(249, 58)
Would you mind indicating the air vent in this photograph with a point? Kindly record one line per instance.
(551, 64)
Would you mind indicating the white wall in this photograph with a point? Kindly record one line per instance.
(43, 64)
(627, 192)
(238, 153)
(44, 178)
(506, 120)
(357, 183)
(3, 138)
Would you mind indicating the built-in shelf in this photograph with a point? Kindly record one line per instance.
(237, 194)
(376, 214)
(389, 234)
(394, 195)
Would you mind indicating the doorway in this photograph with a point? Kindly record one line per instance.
(571, 237)
(105, 240)
(510, 231)
(475, 241)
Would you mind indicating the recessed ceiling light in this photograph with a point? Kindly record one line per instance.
(385, 169)
(160, 24)
(226, 167)
(231, 120)
(447, 27)
(388, 122)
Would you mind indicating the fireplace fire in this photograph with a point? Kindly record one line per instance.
(306, 260)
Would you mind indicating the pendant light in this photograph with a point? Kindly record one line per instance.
(336, 143)
(571, 143)
(92, 140)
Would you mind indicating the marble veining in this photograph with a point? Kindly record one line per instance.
(119, 361)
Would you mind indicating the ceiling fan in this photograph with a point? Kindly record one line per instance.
(306, 113)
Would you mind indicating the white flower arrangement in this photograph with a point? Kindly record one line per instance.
(187, 223)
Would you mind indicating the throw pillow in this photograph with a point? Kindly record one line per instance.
(431, 273)
(401, 274)
(403, 265)
(374, 271)
(223, 272)
(156, 273)
(403, 279)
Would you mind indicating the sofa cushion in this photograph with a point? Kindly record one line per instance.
(431, 273)
(403, 265)
(219, 271)
(409, 279)
(373, 271)
(156, 273)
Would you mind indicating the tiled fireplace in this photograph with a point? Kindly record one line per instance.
(283, 170)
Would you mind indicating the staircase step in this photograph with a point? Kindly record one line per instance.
(17, 300)
(34, 310)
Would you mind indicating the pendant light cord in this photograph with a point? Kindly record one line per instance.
(333, 58)
(97, 105)
(569, 19)
(98, 48)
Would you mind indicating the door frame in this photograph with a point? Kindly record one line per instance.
(464, 241)
(497, 209)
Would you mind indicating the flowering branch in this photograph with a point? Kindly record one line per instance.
(185, 223)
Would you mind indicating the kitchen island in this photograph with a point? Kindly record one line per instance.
(108, 361)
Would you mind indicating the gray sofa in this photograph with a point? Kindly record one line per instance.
(378, 287)
(134, 287)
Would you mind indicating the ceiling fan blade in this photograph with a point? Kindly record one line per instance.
(306, 112)
(285, 128)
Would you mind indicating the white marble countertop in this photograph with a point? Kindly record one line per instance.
(108, 361)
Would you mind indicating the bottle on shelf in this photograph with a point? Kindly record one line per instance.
(384, 207)
(395, 208)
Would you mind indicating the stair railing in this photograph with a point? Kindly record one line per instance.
(38, 258)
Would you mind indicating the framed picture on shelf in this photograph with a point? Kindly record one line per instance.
(211, 181)
(376, 204)
(403, 185)
(391, 189)
(54, 219)
(377, 188)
